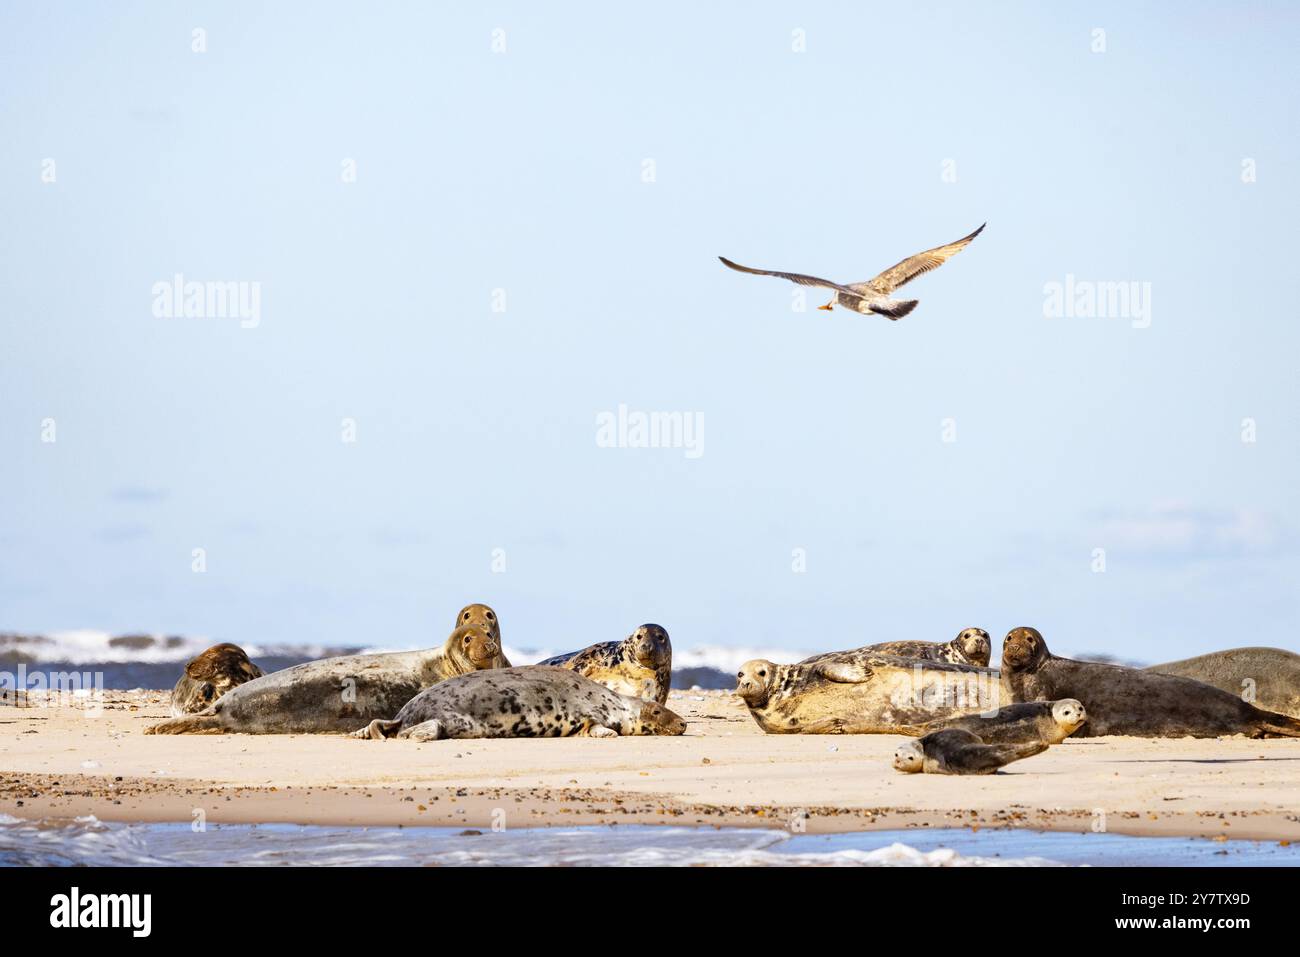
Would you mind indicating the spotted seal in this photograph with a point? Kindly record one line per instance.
(1048, 721)
(336, 694)
(1129, 701)
(1268, 678)
(641, 664)
(862, 693)
(209, 675)
(536, 701)
(485, 618)
(972, 646)
(958, 751)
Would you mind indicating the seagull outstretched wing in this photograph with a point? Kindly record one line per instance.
(911, 267)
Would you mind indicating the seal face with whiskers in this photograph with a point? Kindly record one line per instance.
(873, 296)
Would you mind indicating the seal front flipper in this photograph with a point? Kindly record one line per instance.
(844, 672)
(600, 731)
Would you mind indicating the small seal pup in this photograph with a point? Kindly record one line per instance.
(862, 693)
(1050, 722)
(958, 751)
(336, 694)
(1128, 701)
(485, 618)
(1268, 678)
(209, 675)
(972, 646)
(535, 701)
(641, 664)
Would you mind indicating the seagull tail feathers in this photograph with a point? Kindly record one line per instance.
(894, 308)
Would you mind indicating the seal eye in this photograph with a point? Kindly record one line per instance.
(762, 672)
(491, 617)
(467, 616)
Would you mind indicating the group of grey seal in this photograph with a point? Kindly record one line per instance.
(465, 688)
(967, 718)
(960, 715)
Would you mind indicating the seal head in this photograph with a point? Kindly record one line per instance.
(910, 757)
(975, 646)
(656, 719)
(1023, 649)
(755, 680)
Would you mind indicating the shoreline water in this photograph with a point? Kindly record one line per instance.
(62, 763)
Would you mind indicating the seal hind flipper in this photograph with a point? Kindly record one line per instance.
(430, 730)
(377, 730)
(190, 724)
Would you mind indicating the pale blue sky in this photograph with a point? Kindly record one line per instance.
(523, 171)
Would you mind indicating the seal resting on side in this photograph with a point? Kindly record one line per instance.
(1050, 722)
(1268, 678)
(336, 694)
(641, 664)
(209, 675)
(862, 693)
(958, 751)
(972, 646)
(535, 701)
(1128, 701)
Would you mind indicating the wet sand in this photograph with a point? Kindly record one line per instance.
(68, 761)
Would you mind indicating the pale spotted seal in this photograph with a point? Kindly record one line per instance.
(862, 693)
(209, 675)
(1048, 721)
(1268, 678)
(485, 618)
(1128, 701)
(641, 664)
(972, 646)
(336, 694)
(536, 701)
(958, 751)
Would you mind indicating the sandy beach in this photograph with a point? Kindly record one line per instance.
(69, 761)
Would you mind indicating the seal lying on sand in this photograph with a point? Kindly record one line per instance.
(1268, 678)
(1050, 722)
(1128, 701)
(862, 693)
(536, 701)
(972, 646)
(957, 751)
(486, 619)
(336, 694)
(209, 675)
(641, 664)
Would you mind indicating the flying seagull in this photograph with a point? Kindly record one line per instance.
(873, 295)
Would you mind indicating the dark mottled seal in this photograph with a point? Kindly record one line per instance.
(1268, 678)
(862, 693)
(958, 751)
(972, 646)
(209, 675)
(537, 701)
(1050, 722)
(336, 694)
(485, 618)
(641, 664)
(1128, 701)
